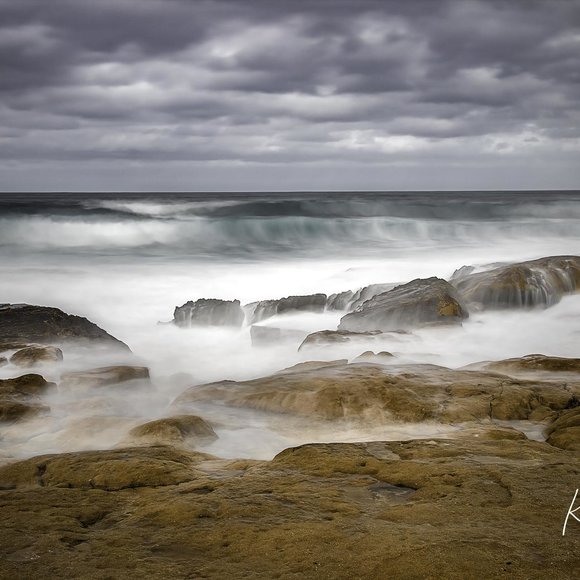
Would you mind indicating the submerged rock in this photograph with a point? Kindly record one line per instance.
(209, 312)
(24, 322)
(540, 282)
(3, 361)
(380, 394)
(533, 363)
(103, 376)
(34, 355)
(258, 311)
(331, 337)
(382, 357)
(181, 429)
(270, 336)
(418, 303)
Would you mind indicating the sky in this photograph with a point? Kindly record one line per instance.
(269, 95)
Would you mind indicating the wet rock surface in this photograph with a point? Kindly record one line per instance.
(332, 337)
(103, 376)
(420, 509)
(21, 398)
(178, 430)
(28, 323)
(540, 282)
(34, 355)
(258, 311)
(418, 303)
(209, 312)
(378, 393)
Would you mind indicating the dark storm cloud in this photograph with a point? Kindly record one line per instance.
(266, 81)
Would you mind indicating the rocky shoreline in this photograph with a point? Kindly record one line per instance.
(485, 499)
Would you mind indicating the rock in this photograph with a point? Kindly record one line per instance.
(350, 300)
(3, 361)
(258, 311)
(534, 363)
(109, 470)
(379, 394)
(103, 376)
(270, 336)
(564, 432)
(418, 303)
(23, 322)
(331, 337)
(14, 411)
(181, 429)
(25, 387)
(209, 312)
(382, 357)
(422, 509)
(540, 282)
(34, 355)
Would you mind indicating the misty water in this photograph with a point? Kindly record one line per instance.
(126, 261)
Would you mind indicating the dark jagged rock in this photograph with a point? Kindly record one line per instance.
(209, 312)
(269, 336)
(258, 311)
(351, 300)
(42, 324)
(540, 283)
(34, 355)
(177, 430)
(419, 303)
(103, 376)
(331, 337)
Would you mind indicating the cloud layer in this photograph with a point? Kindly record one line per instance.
(268, 94)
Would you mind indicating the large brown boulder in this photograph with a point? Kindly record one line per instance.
(540, 282)
(178, 430)
(24, 322)
(20, 397)
(34, 355)
(13, 411)
(378, 394)
(422, 302)
(209, 312)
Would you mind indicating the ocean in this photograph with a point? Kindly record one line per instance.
(125, 261)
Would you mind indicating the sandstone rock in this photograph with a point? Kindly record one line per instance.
(209, 312)
(382, 357)
(258, 311)
(181, 429)
(270, 336)
(34, 355)
(23, 322)
(103, 376)
(412, 305)
(380, 394)
(331, 337)
(540, 282)
(421, 509)
(109, 470)
(564, 432)
(25, 387)
(534, 363)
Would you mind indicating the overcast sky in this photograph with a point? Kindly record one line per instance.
(289, 95)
